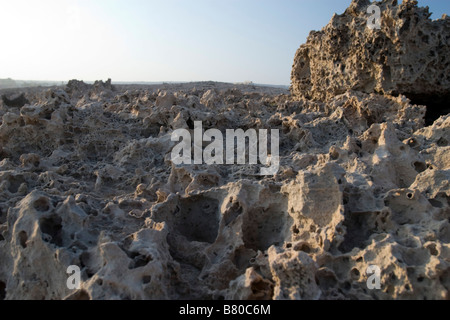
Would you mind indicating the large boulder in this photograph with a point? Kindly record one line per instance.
(408, 55)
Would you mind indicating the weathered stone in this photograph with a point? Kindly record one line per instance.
(408, 55)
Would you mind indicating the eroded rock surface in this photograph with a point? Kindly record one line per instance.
(87, 179)
(408, 55)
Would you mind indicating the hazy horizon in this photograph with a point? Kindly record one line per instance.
(152, 41)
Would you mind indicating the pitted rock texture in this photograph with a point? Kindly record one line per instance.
(86, 179)
(408, 55)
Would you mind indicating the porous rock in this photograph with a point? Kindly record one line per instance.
(407, 55)
(87, 180)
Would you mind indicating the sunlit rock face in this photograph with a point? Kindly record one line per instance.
(408, 55)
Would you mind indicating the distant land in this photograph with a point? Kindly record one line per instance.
(12, 83)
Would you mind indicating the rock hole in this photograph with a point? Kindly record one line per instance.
(15, 182)
(345, 199)
(263, 228)
(51, 228)
(190, 123)
(347, 285)
(84, 259)
(436, 103)
(409, 195)
(303, 247)
(433, 250)
(142, 261)
(23, 238)
(2, 290)
(358, 231)
(16, 101)
(146, 279)
(334, 155)
(442, 142)
(42, 204)
(261, 290)
(325, 279)
(198, 219)
(420, 166)
(138, 260)
(435, 203)
(413, 143)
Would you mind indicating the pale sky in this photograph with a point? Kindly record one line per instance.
(170, 40)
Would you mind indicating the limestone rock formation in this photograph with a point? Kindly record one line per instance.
(408, 55)
(87, 180)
